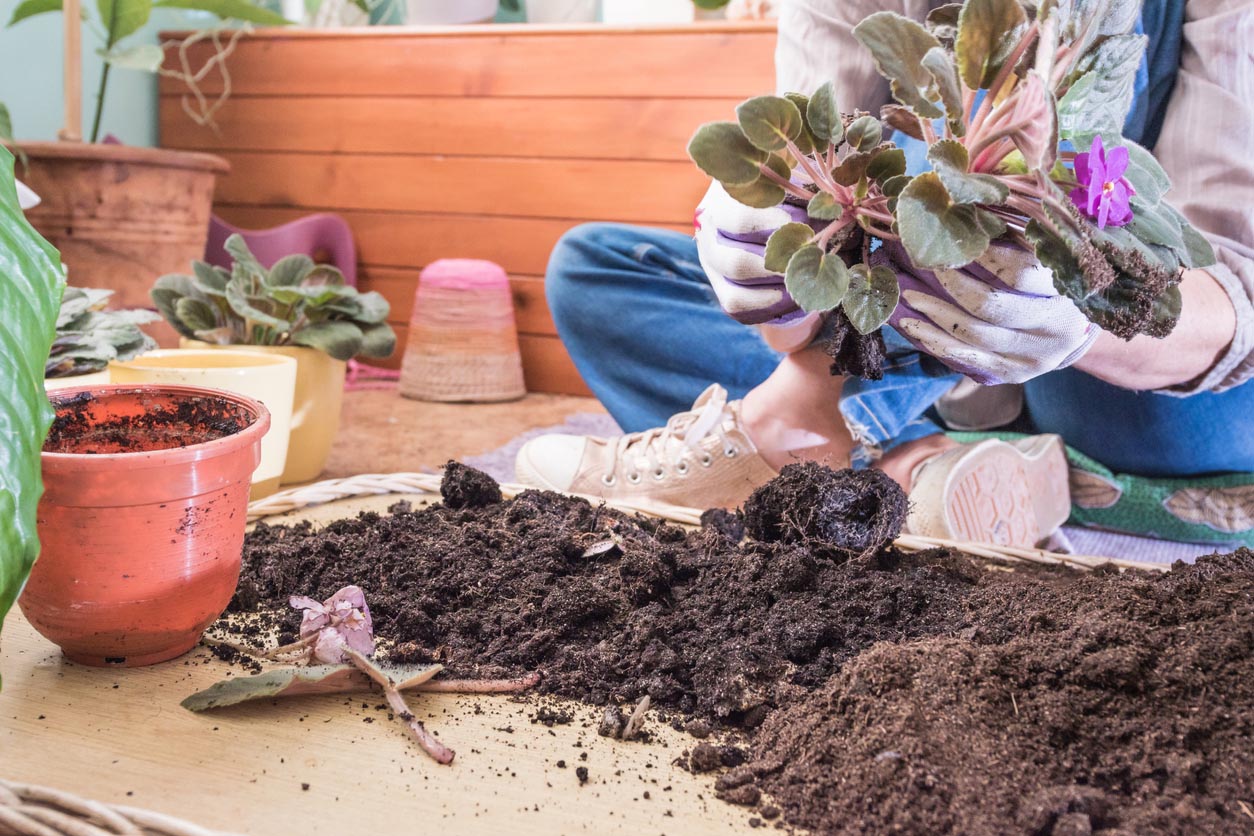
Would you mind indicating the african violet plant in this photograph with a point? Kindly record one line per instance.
(295, 302)
(1004, 96)
(89, 337)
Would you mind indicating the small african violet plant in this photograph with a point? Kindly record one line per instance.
(1003, 94)
(295, 302)
(89, 337)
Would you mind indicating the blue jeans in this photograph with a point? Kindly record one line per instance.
(638, 316)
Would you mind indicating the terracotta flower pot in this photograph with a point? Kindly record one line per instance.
(315, 409)
(142, 519)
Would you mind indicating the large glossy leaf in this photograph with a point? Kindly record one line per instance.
(988, 31)
(770, 122)
(30, 8)
(936, 231)
(228, 10)
(121, 18)
(898, 45)
(341, 340)
(31, 283)
(721, 150)
(872, 297)
(815, 281)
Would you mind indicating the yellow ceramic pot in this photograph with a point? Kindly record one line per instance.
(315, 409)
(89, 379)
(268, 378)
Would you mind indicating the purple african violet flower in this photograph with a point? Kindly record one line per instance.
(1104, 193)
(342, 620)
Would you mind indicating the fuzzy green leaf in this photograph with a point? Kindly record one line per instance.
(942, 22)
(865, 133)
(815, 281)
(893, 186)
(898, 45)
(1198, 251)
(762, 193)
(823, 207)
(783, 243)
(196, 314)
(228, 10)
(949, 160)
(721, 150)
(1110, 69)
(290, 270)
(378, 341)
(770, 122)
(249, 307)
(902, 119)
(987, 33)
(31, 284)
(30, 8)
(872, 297)
(936, 231)
(851, 169)
(166, 293)
(947, 87)
(341, 340)
(807, 142)
(823, 115)
(886, 164)
(237, 248)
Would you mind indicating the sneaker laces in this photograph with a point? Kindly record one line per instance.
(682, 434)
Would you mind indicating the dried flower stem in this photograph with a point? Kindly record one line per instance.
(429, 742)
(636, 720)
(481, 686)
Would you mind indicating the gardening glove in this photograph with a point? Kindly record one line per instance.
(731, 243)
(997, 320)
(26, 199)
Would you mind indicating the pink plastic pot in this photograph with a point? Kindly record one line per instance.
(142, 519)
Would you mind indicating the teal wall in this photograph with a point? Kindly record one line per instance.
(30, 77)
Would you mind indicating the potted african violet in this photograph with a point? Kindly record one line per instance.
(90, 337)
(141, 523)
(297, 308)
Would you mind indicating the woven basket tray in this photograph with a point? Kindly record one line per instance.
(28, 810)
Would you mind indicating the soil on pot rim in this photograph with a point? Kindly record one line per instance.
(77, 428)
(877, 691)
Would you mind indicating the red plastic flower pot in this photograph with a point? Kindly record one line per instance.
(142, 519)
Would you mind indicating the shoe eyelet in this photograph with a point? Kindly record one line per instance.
(731, 452)
(659, 474)
(682, 468)
(634, 478)
(608, 480)
(707, 460)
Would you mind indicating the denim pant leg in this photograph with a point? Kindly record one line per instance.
(637, 314)
(1145, 433)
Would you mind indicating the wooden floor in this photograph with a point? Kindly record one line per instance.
(327, 765)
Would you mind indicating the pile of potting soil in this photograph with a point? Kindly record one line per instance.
(924, 693)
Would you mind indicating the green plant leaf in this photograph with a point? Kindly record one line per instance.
(865, 133)
(165, 294)
(341, 340)
(721, 150)
(936, 231)
(121, 18)
(363, 308)
(1198, 250)
(902, 119)
(210, 278)
(31, 284)
(949, 159)
(770, 122)
(762, 193)
(807, 142)
(290, 270)
(237, 248)
(898, 45)
(143, 57)
(1109, 72)
(823, 207)
(947, 87)
(823, 115)
(247, 306)
(872, 297)
(988, 31)
(30, 8)
(783, 243)
(893, 186)
(228, 10)
(6, 124)
(197, 314)
(886, 164)
(378, 341)
(851, 169)
(942, 22)
(815, 281)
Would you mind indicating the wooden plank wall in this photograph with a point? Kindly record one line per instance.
(485, 142)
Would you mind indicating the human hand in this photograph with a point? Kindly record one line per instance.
(997, 320)
(731, 244)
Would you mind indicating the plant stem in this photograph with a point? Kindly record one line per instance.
(429, 742)
(100, 99)
(480, 686)
(820, 178)
(1003, 76)
(785, 184)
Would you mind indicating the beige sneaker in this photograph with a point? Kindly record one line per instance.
(700, 459)
(1009, 494)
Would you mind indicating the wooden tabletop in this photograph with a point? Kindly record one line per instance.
(328, 765)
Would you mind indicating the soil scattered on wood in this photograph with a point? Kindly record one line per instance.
(879, 691)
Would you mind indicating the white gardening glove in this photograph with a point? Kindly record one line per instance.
(997, 320)
(731, 243)
(26, 199)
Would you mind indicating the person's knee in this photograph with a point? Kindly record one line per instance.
(571, 275)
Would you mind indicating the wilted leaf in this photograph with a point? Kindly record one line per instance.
(721, 150)
(898, 45)
(865, 133)
(872, 297)
(936, 231)
(770, 122)
(823, 115)
(815, 281)
(949, 160)
(823, 207)
(988, 31)
(292, 682)
(902, 119)
(783, 243)
(762, 193)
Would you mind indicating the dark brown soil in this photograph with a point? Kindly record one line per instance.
(881, 692)
(85, 424)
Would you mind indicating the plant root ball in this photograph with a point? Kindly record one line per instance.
(856, 511)
(465, 487)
